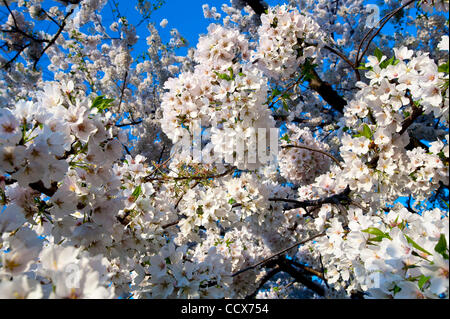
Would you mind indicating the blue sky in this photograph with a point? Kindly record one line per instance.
(186, 16)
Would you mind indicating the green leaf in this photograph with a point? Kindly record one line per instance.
(396, 289)
(285, 106)
(423, 280)
(286, 138)
(444, 67)
(378, 54)
(308, 70)
(416, 246)
(137, 191)
(231, 72)
(441, 246)
(228, 242)
(275, 92)
(366, 132)
(363, 66)
(274, 23)
(385, 63)
(223, 76)
(101, 103)
(377, 232)
(231, 201)
(376, 238)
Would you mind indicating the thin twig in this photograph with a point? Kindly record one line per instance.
(343, 57)
(191, 177)
(264, 261)
(129, 124)
(385, 19)
(55, 37)
(123, 89)
(315, 150)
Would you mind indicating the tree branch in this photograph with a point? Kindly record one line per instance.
(130, 123)
(343, 57)
(327, 92)
(258, 6)
(343, 196)
(38, 186)
(55, 37)
(192, 177)
(266, 260)
(416, 112)
(324, 89)
(263, 281)
(300, 277)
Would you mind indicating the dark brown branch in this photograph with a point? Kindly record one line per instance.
(416, 112)
(38, 186)
(258, 6)
(263, 281)
(278, 117)
(130, 123)
(50, 17)
(324, 89)
(126, 149)
(327, 92)
(16, 26)
(323, 271)
(8, 64)
(341, 197)
(414, 142)
(291, 86)
(17, 30)
(287, 267)
(67, 2)
(308, 269)
(170, 224)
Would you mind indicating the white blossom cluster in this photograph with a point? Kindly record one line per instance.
(376, 156)
(393, 255)
(220, 94)
(430, 5)
(312, 163)
(286, 40)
